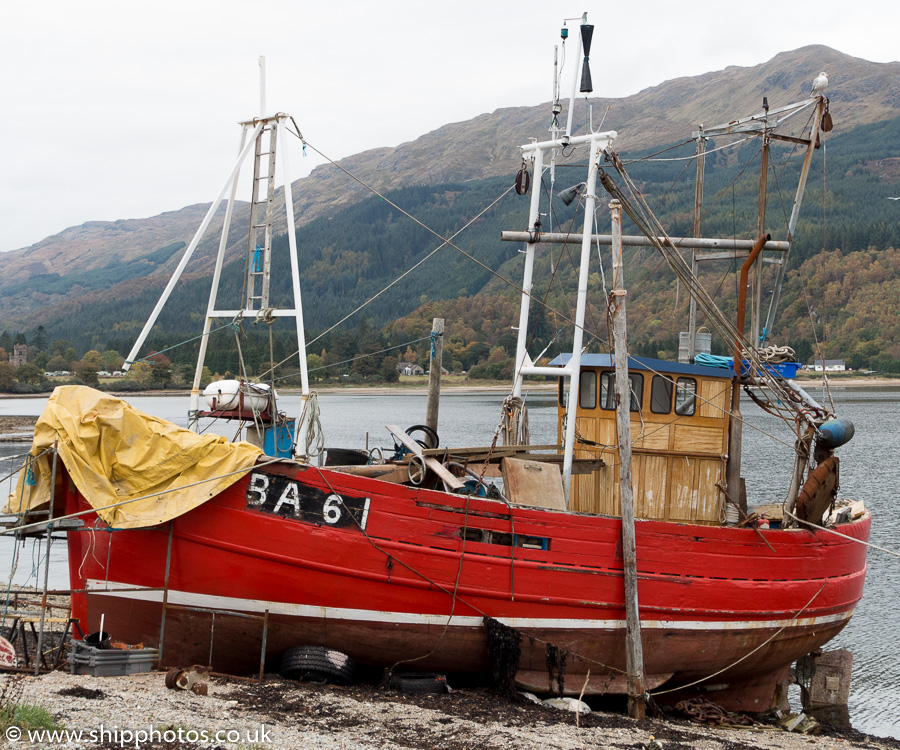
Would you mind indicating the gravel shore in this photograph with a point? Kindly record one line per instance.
(281, 713)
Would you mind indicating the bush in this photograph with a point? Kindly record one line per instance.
(501, 370)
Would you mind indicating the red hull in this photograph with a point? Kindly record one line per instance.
(286, 543)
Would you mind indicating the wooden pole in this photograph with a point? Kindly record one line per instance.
(434, 377)
(634, 653)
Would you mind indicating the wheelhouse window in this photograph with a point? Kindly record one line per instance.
(587, 390)
(661, 394)
(608, 390)
(686, 397)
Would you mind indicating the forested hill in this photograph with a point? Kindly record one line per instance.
(353, 247)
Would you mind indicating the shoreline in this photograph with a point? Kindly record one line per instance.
(474, 388)
(299, 714)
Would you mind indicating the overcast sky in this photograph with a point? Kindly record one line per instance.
(124, 109)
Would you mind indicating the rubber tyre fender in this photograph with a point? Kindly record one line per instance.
(429, 439)
(420, 683)
(317, 664)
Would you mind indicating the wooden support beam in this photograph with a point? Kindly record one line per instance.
(634, 653)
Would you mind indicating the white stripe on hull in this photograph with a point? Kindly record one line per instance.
(188, 599)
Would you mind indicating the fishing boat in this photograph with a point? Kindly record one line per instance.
(626, 558)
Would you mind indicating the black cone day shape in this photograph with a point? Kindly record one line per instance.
(587, 32)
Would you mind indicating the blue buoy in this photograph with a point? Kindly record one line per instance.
(834, 433)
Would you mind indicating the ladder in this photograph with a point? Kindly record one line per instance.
(262, 215)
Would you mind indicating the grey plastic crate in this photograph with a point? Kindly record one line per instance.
(85, 659)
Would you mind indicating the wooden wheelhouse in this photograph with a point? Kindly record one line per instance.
(679, 433)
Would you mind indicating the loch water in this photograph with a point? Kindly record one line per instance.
(870, 471)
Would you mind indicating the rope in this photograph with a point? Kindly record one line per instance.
(354, 359)
(838, 533)
(314, 439)
(647, 223)
(175, 346)
(692, 156)
(514, 422)
(42, 524)
(748, 654)
(436, 584)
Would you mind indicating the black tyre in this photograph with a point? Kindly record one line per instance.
(429, 438)
(420, 682)
(317, 664)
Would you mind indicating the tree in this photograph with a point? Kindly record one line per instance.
(59, 347)
(112, 360)
(162, 373)
(315, 366)
(88, 373)
(20, 339)
(39, 338)
(94, 359)
(6, 341)
(29, 374)
(7, 376)
(56, 364)
(140, 372)
(389, 370)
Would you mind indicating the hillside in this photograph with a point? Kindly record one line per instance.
(97, 282)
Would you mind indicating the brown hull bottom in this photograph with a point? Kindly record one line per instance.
(232, 642)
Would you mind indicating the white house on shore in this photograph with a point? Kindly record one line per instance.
(828, 365)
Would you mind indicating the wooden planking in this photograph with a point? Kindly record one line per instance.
(711, 500)
(533, 483)
(699, 439)
(584, 487)
(651, 435)
(713, 398)
(682, 496)
(651, 478)
(608, 488)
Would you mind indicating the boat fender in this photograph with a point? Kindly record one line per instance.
(819, 490)
(834, 433)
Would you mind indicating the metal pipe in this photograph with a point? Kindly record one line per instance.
(295, 266)
(527, 278)
(575, 79)
(40, 640)
(193, 422)
(262, 86)
(581, 304)
(165, 599)
(575, 140)
(733, 479)
(630, 240)
(756, 311)
(190, 251)
(795, 213)
(698, 220)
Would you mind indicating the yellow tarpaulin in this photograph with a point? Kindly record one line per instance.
(113, 453)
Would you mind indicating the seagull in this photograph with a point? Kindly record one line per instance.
(894, 199)
(819, 84)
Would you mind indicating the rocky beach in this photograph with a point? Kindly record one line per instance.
(280, 713)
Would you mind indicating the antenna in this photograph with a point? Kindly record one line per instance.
(262, 85)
